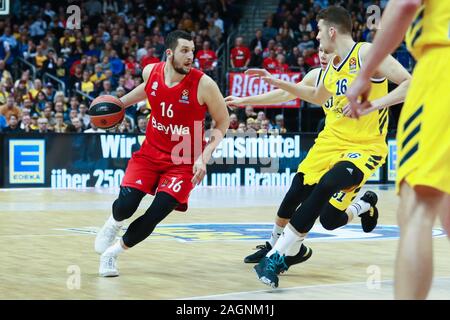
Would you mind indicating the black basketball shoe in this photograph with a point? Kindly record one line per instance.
(369, 218)
(304, 254)
(258, 255)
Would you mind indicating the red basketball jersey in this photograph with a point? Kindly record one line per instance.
(177, 121)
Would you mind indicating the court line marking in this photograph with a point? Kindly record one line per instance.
(281, 290)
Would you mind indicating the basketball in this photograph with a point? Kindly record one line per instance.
(106, 112)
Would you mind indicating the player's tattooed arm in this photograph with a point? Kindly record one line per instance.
(137, 94)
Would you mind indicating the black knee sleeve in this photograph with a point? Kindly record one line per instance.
(332, 218)
(142, 227)
(343, 175)
(297, 193)
(127, 203)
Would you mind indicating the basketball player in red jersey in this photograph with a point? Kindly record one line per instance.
(173, 157)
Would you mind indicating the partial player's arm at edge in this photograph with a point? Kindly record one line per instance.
(273, 97)
(137, 94)
(212, 97)
(396, 19)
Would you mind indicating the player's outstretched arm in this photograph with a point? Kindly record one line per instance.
(137, 94)
(272, 97)
(396, 19)
(210, 95)
(317, 95)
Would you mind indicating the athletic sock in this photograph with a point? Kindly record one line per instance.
(359, 207)
(276, 233)
(115, 223)
(115, 249)
(289, 237)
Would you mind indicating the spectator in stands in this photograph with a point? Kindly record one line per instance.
(270, 46)
(206, 59)
(256, 59)
(241, 128)
(305, 26)
(282, 65)
(141, 125)
(258, 41)
(312, 58)
(59, 126)
(84, 117)
(306, 43)
(10, 108)
(98, 75)
(279, 123)
(87, 86)
(265, 126)
(13, 125)
(271, 63)
(269, 31)
(25, 124)
(49, 64)
(76, 122)
(49, 91)
(250, 126)
(250, 112)
(149, 58)
(43, 125)
(4, 74)
(94, 129)
(240, 54)
(126, 126)
(234, 123)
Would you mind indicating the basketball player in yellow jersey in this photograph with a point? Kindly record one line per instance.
(354, 148)
(336, 213)
(423, 137)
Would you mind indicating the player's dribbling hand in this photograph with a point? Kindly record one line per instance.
(199, 170)
(358, 97)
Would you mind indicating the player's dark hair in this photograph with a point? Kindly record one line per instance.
(171, 41)
(337, 17)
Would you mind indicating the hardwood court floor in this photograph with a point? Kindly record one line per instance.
(48, 237)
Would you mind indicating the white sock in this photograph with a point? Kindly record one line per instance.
(358, 207)
(115, 249)
(295, 247)
(286, 240)
(276, 233)
(117, 224)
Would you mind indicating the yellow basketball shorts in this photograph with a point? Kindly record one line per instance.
(423, 135)
(324, 155)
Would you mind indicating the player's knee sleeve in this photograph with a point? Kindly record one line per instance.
(332, 218)
(142, 227)
(297, 193)
(342, 176)
(127, 203)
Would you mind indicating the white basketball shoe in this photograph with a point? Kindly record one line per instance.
(108, 266)
(106, 236)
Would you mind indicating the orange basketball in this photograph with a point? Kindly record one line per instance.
(106, 112)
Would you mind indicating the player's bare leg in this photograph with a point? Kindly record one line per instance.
(417, 213)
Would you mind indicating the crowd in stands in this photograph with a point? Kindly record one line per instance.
(117, 39)
(287, 40)
(106, 55)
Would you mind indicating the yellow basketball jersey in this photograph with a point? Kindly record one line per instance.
(430, 27)
(371, 128)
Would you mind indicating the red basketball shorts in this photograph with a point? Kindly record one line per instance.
(152, 175)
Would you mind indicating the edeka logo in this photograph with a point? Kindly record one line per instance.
(259, 232)
(26, 161)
